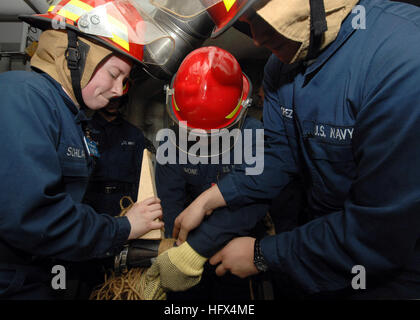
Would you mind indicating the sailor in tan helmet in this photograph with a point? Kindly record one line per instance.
(340, 111)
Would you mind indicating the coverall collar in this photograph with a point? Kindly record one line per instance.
(103, 122)
(79, 115)
(345, 32)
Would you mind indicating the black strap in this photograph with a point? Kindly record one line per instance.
(73, 57)
(318, 27)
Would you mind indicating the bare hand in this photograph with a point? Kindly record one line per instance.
(192, 216)
(188, 220)
(237, 257)
(142, 215)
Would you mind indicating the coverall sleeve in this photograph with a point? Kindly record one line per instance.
(224, 224)
(170, 186)
(379, 225)
(37, 215)
(239, 189)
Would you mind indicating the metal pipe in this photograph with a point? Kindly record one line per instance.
(11, 53)
(41, 5)
(32, 6)
(9, 18)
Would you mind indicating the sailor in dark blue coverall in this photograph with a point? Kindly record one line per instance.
(346, 119)
(178, 184)
(117, 169)
(45, 171)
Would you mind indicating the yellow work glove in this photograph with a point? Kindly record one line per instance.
(176, 269)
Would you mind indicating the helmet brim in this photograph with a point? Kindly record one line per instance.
(44, 23)
(221, 29)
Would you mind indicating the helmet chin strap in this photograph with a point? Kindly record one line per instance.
(318, 27)
(110, 114)
(73, 57)
(238, 125)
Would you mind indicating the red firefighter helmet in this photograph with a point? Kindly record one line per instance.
(223, 12)
(120, 25)
(209, 91)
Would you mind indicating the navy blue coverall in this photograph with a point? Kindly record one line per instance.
(117, 170)
(349, 124)
(177, 185)
(44, 173)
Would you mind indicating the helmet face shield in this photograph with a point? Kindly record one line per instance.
(223, 12)
(123, 24)
(189, 8)
(200, 144)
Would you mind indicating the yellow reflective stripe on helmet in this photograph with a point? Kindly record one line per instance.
(118, 24)
(230, 115)
(68, 14)
(123, 43)
(229, 4)
(74, 9)
(176, 106)
(81, 5)
(119, 33)
(51, 8)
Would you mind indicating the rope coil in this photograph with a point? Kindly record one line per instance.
(130, 285)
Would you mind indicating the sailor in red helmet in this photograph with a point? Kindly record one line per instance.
(207, 102)
(84, 57)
